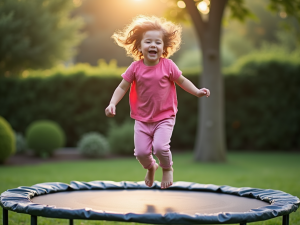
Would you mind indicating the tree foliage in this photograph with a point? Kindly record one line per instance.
(36, 34)
(290, 7)
(237, 9)
(247, 25)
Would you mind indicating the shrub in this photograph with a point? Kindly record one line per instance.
(93, 144)
(266, 62)
(44, 137)
(121, 138)
(7, 140)
(21, 145)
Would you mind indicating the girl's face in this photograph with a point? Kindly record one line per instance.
(152, 47)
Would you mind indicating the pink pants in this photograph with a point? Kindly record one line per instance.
(156, 136)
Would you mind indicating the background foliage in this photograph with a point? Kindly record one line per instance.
(7, 140)
(36, 34)
(44, 137)
(121, 137)
(261, 29)
(261, 94)
(93, 144)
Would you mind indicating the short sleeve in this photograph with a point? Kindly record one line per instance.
(175, 72)
(128, 75)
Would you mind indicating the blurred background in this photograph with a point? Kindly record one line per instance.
(265, 31)
(59, 67)
(59, 64)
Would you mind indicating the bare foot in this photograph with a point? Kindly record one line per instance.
(167, 178)
(149, 179)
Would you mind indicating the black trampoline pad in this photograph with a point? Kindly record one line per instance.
(182, 203)
(150, 201)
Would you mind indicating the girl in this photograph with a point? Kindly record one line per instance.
(153, 101)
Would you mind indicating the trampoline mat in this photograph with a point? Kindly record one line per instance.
(150, 201)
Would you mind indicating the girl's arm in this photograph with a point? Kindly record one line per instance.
(189, 87)
(119, 93)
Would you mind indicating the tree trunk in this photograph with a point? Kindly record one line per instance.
(210, 140)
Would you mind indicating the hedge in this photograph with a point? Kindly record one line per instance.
(262, 105)
(76, 102)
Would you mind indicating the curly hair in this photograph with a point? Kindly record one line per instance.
(130, 38)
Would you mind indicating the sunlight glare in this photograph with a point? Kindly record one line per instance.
(181, 4)
(203, 7)
(283, 14)
(77, 3)
(207, 2)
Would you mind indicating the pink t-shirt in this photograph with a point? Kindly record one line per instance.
(152, 94)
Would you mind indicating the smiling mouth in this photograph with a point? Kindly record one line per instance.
(152, 52)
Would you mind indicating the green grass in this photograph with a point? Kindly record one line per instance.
(260, 170)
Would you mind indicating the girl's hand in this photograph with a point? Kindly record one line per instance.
(110, 111)
(202, 92)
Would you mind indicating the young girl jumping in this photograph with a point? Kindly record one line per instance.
(153, 101)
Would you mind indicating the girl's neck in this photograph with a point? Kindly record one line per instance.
(147, 63)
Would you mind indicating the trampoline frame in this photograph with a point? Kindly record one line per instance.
(282, 204)
(34, 221)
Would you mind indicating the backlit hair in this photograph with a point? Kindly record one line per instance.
(130, 38)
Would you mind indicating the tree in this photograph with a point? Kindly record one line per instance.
(36, 34)
(210, 144)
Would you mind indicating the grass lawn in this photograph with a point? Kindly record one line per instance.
(259, 170)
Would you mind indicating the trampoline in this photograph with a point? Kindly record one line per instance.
(182, 203)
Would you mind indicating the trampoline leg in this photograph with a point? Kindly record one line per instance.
(33, 220)
(285, 219)
(71, 222)
(5, 216)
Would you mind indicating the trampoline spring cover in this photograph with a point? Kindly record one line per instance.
(278, 203)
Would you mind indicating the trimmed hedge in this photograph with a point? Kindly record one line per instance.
(44, 137)
(121, 138)
(76, 102)
(262, 105)
(93, 144)
(7, 140)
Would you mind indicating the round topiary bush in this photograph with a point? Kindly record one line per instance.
(43, 137)
(93, 144)
(7, 140)
(121, 138)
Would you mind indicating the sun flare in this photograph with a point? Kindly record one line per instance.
(203, 7)
(181, 4)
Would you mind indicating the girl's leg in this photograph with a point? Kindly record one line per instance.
(143, 150)
(161, 148)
